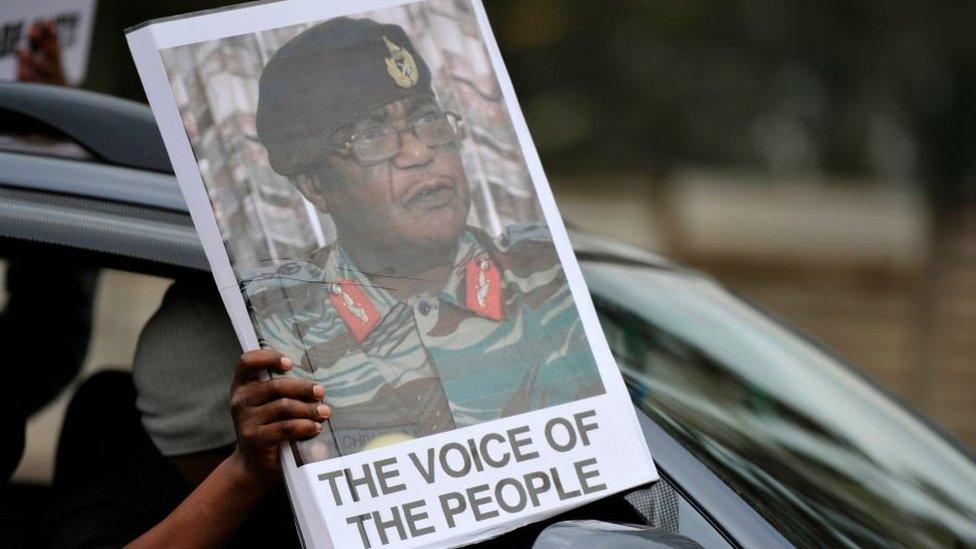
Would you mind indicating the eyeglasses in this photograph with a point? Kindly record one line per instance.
(378, 144)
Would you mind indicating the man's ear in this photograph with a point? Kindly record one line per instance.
(308, 185)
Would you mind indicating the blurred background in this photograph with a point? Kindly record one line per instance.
(818, 157)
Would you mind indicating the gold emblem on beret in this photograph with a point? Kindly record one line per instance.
(401, 66)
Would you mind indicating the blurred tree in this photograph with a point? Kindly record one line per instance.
(883, 90)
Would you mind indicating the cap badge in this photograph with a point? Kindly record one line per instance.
(401, 66)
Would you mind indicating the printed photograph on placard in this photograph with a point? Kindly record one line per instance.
(379, 217)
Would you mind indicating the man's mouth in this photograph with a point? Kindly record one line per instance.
(432, 194)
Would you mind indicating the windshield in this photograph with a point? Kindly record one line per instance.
(824, 456)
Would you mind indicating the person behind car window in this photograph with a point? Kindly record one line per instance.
(153, 455)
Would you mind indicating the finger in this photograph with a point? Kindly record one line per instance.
(30, 70)
(254, 362)
(35, 31)
(50, 44)
(258, 393)
(38, 69)
(42, 30)
(292, 429)
(289, 408)
(25, 67)
(36, 35)
(25, 74)
(44, 68)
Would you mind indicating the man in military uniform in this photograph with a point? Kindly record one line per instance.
(414, 322)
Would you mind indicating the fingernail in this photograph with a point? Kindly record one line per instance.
(318, 427)
(286, 363)
(318, 391)
(323, 410)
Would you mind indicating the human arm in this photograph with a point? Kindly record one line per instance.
(266, 413)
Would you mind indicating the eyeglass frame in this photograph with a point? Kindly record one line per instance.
(346, 147)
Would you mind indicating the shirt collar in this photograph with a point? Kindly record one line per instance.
(339, 267)
(454, 289)
(475, 283)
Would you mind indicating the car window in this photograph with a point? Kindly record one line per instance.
(826, 458)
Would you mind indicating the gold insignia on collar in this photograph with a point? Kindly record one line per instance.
(401, 66)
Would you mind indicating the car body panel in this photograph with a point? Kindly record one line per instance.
(122, 132)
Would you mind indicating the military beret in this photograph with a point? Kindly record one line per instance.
(327, 77)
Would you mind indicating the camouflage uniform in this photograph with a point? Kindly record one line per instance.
(501, 338)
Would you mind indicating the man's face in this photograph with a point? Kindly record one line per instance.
(417, 200)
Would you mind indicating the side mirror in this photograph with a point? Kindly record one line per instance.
(587, 534)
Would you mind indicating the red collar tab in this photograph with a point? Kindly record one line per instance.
(483, 292)
(356, 310)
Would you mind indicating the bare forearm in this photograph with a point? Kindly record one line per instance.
(211, 514)
(266, 414)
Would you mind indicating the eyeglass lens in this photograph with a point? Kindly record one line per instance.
(380, 144)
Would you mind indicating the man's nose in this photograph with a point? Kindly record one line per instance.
(413, 151)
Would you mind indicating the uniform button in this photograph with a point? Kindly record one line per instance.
(424, 308)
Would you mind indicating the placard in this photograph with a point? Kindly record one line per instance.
(372, 206)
